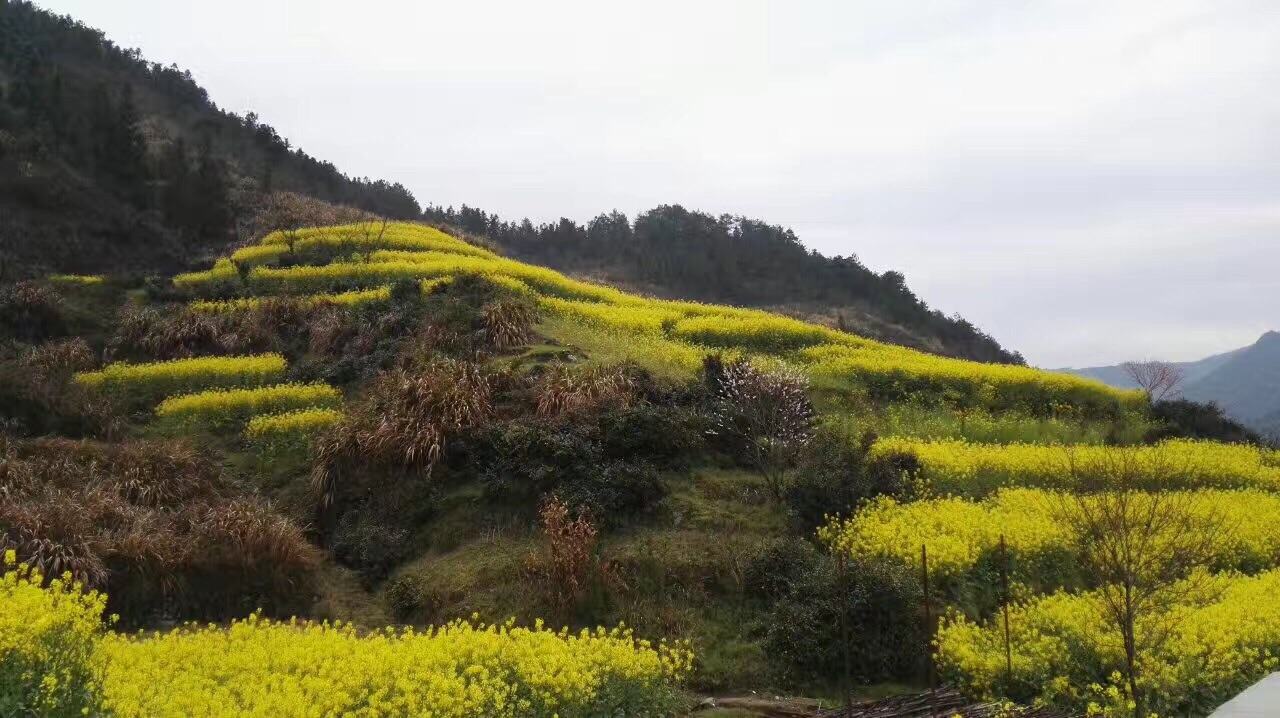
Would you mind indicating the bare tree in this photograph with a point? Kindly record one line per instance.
(1158, 379)
(770, 412)
(1143, 551)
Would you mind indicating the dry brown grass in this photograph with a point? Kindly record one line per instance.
(404, 421)
(155, 524)
(563, 389)
(59, 359)
(158, 334)
(508, 322)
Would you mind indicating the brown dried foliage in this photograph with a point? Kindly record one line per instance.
(153, 523)
(508, 322)
(404, 421)
(569, 564)
(563, 389)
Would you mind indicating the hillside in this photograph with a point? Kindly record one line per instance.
(1245, 382)
(112, 163)
(383, 423)
(678, 253)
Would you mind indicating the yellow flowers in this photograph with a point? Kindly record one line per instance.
(229, 406)
(370, 259)
(350, 238)
(346, 299)
(48, 636)
(223, 277)
(154, 380)
(1223, 638)
(762, 333)
(273, 433)
(82, 279)
(257, 667)
(961, 534)
(968, 469)
(57, 661)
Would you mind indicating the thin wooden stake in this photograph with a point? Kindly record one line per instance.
(1004, 604)
(928, 617)
(844, 635)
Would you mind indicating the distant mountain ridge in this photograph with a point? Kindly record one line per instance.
(1245, 382)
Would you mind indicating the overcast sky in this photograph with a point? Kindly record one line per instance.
(1087, 181)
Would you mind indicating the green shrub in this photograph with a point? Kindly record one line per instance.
(880, 606)
(528, 460)
(31, 312)
(833, 479)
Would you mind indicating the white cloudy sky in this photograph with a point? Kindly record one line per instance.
(1088, 180)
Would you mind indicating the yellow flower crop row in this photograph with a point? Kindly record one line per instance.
(232, 406)
(767, 333)
(59, 661)
(963, 535)
(289, 427)
(359, 238)
(158, 379)
(85, 279)
(970, 469)
(347, 299)
(1222, 639)
(224, 276)
(888, 373)
(636, 319)
(256, 254)
(900, 374)
(257, 667)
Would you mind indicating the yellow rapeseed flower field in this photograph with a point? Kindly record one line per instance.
(887, 372)
(59, 661)
(1224, 637)
(221, 407)
(156, 379)
(971, 469)
(1035, 523)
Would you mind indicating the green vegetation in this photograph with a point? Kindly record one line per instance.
(464, 436)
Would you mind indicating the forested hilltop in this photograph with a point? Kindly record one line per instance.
(111, 162)
(676, 252)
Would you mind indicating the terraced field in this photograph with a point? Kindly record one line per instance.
(984, 468)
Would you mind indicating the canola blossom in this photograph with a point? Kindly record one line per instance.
(415, 252)
(56, 659)
(222, 407)
(156, 379)
(1223, 638)
(80, 279)
(964, 536)
(345, 299)
(970, 469)
(223, 277)
(290, 431)
(49, 633)
(350, 238)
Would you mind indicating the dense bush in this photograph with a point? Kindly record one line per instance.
(38, 397)
(606, 459)
(880, 606)
(31, 312)
(833, 479)
(156, 524)
(1183, 419)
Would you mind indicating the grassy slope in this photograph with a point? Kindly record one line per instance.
(681, 572)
